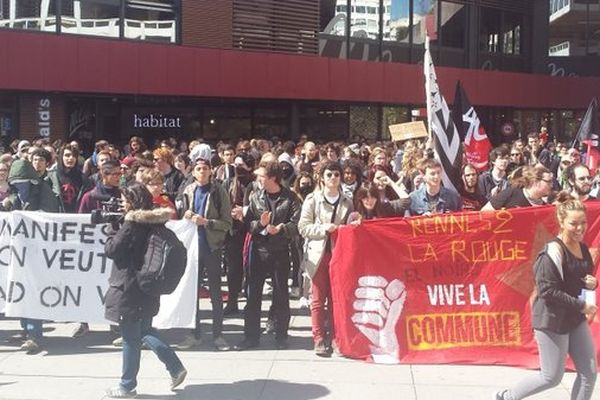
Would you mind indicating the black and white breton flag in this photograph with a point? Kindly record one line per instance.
(446, 140)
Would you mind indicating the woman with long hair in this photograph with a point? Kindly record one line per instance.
(368, 205)
(564, 274)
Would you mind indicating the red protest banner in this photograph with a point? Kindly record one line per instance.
(451, 288)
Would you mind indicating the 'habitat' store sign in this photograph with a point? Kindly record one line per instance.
(144, 121)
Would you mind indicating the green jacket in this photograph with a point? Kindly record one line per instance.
(218, 212)
(41, 196)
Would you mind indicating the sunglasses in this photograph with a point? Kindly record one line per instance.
(332, 174)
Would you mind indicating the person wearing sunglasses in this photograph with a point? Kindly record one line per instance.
(322, 213)
(579, 179)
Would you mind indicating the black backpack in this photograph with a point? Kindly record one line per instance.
(164, 263)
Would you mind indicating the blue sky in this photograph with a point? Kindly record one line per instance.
(400, 7)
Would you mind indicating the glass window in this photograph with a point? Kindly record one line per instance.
(511, 35)
(333, 17)
(36, 15)
(489, 30)
(424, 20)
(92, 17)
(574, 28)
(396, 21)
(365, 20)
(452, 25)
(152, 20)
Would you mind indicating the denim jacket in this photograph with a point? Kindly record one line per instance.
(449, 201)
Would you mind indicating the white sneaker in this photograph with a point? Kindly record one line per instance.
(189, 343)
(303, 302)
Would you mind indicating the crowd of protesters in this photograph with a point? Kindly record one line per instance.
(265, 209)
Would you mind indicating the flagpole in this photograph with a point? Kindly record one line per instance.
(427, 85)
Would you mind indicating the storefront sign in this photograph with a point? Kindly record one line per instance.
(155, 121)
(44, 117)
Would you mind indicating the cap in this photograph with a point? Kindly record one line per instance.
(202, 151)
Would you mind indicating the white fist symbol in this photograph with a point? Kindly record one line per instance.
(377, 307)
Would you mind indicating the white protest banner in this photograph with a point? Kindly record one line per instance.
(5, 254)
(58, 270)
(178, 309)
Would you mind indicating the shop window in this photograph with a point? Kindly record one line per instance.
(424, 21)
(39, 15)
(227, 122)
(396, 27)
(511, 35)
(453, 24)
(393, 115)
(363, 122)
(152, 20)
(91, 17)
(490, 30)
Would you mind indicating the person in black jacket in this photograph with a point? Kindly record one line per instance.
(125, 303)
(563, 279)
(272, 220)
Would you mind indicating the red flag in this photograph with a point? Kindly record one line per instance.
(477, 146)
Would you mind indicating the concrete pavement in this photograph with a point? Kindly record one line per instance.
(75, 369)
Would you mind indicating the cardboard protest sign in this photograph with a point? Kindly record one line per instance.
(408, 130)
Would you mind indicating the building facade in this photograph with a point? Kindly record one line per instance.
(327, 68)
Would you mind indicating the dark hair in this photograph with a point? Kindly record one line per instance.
(368, 189)
(138, 196)
(184, 158)
(356, 167)
(41, 152)
(100, 145)
(332, 166)
(72, 149)
(500, 151)
(108, 166)
(570, 171)
(296, 186)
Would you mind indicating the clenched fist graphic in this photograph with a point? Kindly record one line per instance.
(377, 308)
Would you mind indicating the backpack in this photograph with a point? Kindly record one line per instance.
(164, 263)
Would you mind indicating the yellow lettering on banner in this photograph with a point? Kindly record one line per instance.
(458, 248)
(451, 224)
(504, 216)
(445, 331)
(415, 253)
(429, 253)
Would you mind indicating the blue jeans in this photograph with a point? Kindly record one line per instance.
(134, 332)
(33, 327)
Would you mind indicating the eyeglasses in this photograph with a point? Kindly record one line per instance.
(584, 178)
(332, 174)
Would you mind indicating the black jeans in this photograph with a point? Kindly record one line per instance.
(234, 247)
(276, 265)
(212, 264)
